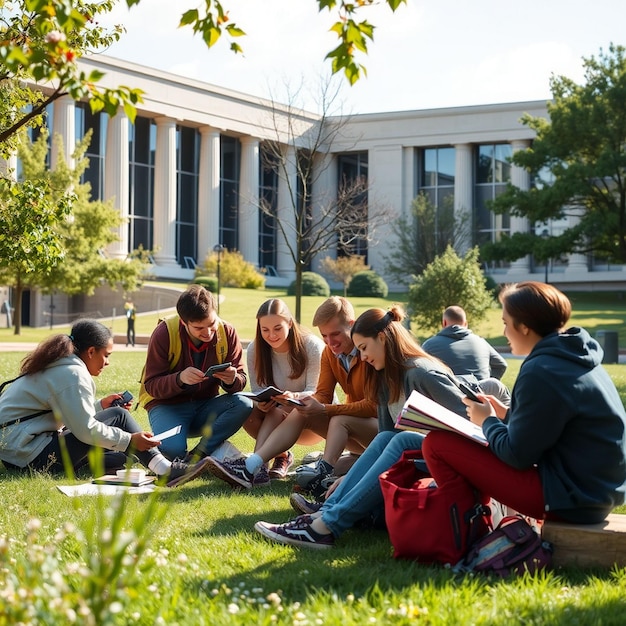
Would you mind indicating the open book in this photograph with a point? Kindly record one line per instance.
(423, 414)
(265, 395)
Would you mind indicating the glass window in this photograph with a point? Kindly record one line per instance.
(187, 169)
(86, 121)
(493, 172)
(142, 147)
(230, 152)
(352, 167)
(268, 192)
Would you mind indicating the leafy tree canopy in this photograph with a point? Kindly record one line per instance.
(578, 165)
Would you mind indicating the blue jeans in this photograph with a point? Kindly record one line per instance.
(359, 494)
(214, 420)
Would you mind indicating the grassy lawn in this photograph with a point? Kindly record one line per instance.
(202, 563)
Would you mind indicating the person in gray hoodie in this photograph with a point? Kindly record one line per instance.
(52, 405)
(559, 451)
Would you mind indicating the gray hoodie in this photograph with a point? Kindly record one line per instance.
(67, 386)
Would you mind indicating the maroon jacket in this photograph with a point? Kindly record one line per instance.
(160, 381)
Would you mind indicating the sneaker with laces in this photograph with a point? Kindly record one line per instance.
(281, 465)
(303, 506)
(298, 533)
(315, 480)
(262, 477)
(311, 457)
(233, 472)
(182, 472)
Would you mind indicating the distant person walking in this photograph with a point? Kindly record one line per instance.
(130, 323)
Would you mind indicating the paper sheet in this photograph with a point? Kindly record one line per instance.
(167, 434)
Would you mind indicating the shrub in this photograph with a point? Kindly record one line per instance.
(368, 284)
(312, 285)
(344, 268)
(449, 280)
(208, 282)
(235, 271)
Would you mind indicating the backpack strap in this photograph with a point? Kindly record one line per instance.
(175, 351)
(26, 417)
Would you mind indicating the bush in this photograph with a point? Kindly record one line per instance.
(368, 284)
(208, 282)
(446, 281)
(235, 271)
(312, 285)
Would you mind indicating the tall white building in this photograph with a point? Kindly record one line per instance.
(187, 175)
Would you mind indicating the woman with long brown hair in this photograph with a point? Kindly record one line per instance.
(286, 356)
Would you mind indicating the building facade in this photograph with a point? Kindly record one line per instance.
(190, 173)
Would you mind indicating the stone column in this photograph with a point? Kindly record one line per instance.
(249, 200)
(165, 192)
(116, 178)
(287, 187)
(521, 179)
(208, 192)
(64, 125)
(576, 262)
(464, 191)
(323, 195)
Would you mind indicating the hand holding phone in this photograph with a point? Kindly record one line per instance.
(126, 398)
(217, 368)
(469, 392)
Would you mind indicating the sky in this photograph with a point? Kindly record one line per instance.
(428, 54)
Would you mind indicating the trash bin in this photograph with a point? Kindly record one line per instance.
(609, 341)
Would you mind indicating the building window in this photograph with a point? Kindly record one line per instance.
(187, 168)
(230, 157)
(436, 174)
(268, 193)
(142, 147)
(493, 172)
(352, 168)
(97, 123)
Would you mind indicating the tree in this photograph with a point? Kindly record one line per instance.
(42, 41)
(309, 225)
(422, 236)
(29, 243)
(578, 163)
(343, 268)
(449, 280)
(79, 231)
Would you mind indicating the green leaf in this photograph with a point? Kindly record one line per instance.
(189, 17)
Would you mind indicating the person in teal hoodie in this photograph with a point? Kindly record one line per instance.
(559, 450)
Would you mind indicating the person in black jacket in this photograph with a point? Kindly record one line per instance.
(559, 451)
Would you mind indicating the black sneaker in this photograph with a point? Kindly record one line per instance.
(298, 533)
(182, 472)
(303, 506)
(315, 480)
(232, 471)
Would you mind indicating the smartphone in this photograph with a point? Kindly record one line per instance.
(465, 388)
(127, 397)
(295, 401)
(217, 368)
(468, 391)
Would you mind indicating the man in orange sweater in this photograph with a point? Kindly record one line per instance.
(351, 425)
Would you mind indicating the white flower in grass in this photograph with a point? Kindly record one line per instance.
(257, 590)
(215, 592)
(33, 525)
(106, 536)
(274, 598)
(153, 588)
(115, 607)
(70, 615)
(233, 608)
(182, 559)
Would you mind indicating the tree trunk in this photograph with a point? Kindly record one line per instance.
(298, 292)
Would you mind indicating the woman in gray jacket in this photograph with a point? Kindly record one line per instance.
(52, 405)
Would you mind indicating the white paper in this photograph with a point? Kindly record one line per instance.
(165, 435)
(89, 489)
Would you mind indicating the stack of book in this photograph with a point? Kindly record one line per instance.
(422, 414)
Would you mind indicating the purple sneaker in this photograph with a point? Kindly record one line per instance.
(302, 505)
(232, 471)
(262, 477)
(297, 533)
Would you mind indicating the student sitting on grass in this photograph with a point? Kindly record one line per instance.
(56, 383)
(396, 366)
(286, 356)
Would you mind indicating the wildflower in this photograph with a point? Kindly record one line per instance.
(233, 608)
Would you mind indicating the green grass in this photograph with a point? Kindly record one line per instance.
(208, 566)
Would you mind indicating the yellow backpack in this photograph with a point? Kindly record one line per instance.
(176, 349)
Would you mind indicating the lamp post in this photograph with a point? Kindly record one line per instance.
(218, 249)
